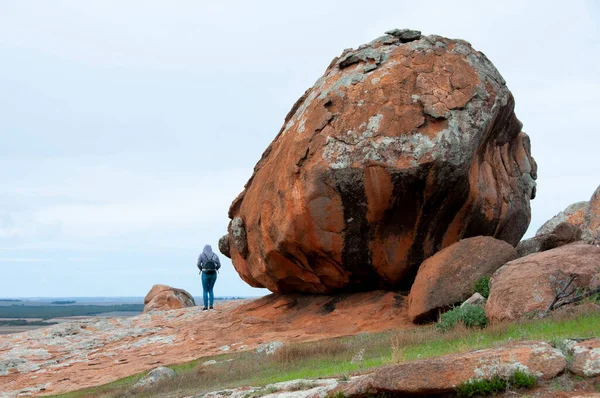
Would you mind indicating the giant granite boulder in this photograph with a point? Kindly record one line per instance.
(403, 147)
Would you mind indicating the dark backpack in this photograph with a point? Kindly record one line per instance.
(210, 265)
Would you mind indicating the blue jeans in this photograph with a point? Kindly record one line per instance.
(208, 282)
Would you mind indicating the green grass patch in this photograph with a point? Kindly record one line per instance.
(482, 286)
(332, 358)
(483, 387)
(469, 315)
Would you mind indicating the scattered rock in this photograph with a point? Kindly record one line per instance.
(164, 298)
(349, 60)
(564, 233)
(591, 224)
(224, 246)
(154, 377)
(447, 278)
(443, 374)
(584, 356)
(269, 348)
(475, 299)
(369, 177)
(208, 363)
(527, 285)
(224, 348)
(301, 388)
(405, 35)
(574, 214)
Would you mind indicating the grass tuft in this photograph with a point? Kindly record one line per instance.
(496, 384)
(469, 315)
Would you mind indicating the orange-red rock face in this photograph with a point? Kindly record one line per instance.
(398, 151)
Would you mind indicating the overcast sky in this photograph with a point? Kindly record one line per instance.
(128, 127)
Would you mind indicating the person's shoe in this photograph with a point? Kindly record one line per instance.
(211, 308)
(204, 309)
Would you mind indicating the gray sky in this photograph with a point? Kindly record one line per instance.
(128, 127)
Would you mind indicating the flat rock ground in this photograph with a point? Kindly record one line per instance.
(81, 354)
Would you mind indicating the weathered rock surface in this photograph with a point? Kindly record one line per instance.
(475, 299)
(564, 233)
(398, 151)
(76, 355)
(527, 285)
(447, 278)
(153, 377)
(165, 298)
(443, 374)
(574, 214)
(301, 388)
(585, 356)
(270, 348)
(591, 223)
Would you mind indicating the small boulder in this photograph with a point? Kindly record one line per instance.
(475, 299)
(164, 298)
(564, 233)
(528, 285)
(270, 348)
(224, 246)
(591, 224)
(574, 214)
(447, 278)
(405, 35)
(442, 375)
(152, 378)
(585, 356)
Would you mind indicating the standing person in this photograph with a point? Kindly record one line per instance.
(209, 264)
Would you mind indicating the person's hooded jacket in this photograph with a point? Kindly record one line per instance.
(208, 254)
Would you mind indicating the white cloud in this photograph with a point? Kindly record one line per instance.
(116, 201)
